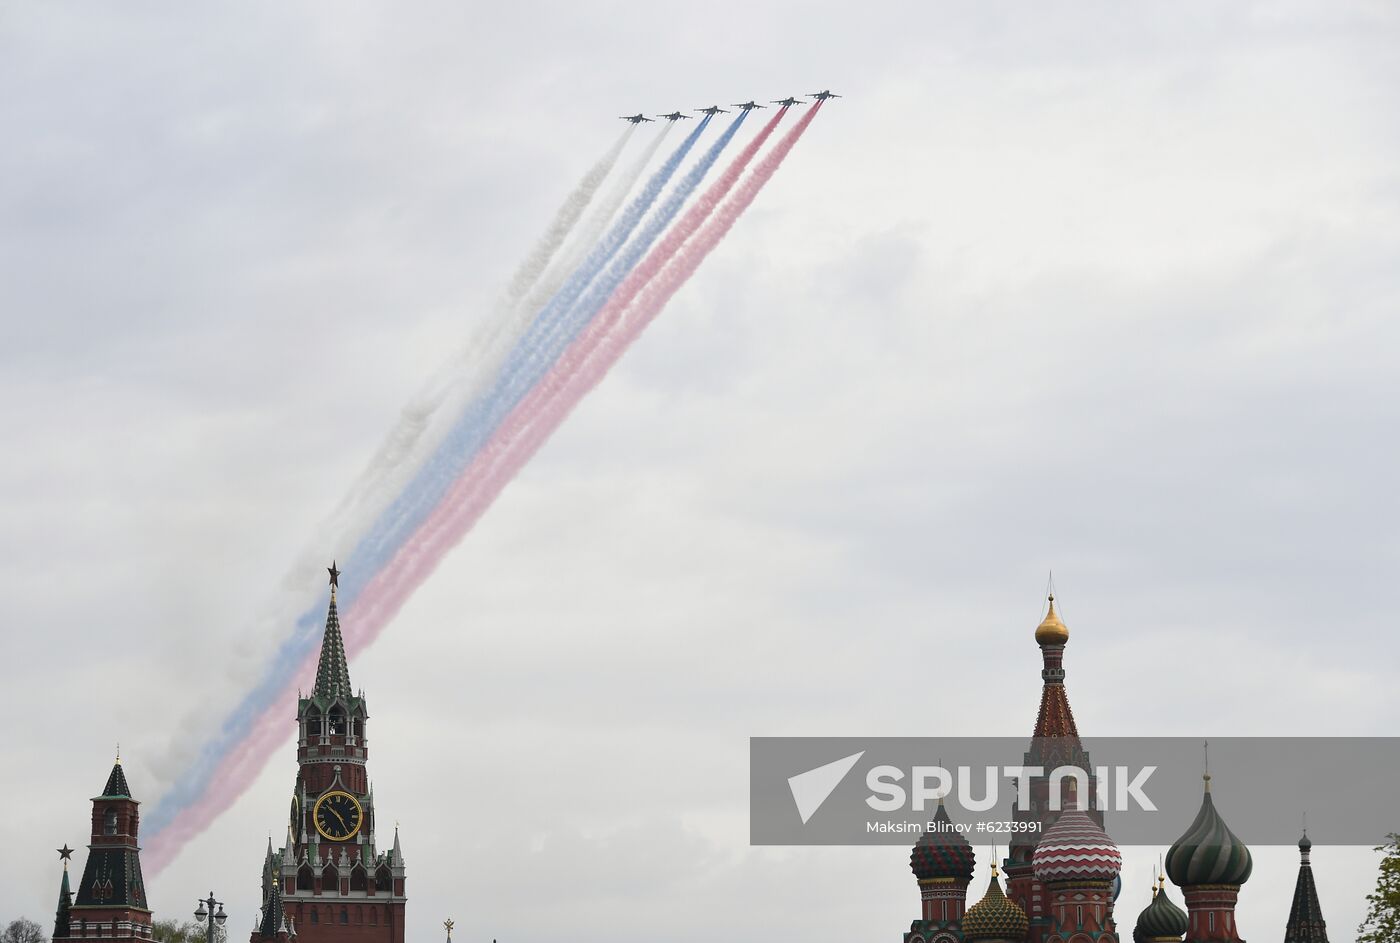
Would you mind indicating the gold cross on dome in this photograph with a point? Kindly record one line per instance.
(449, 924)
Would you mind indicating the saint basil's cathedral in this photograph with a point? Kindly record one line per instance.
(1062, 877)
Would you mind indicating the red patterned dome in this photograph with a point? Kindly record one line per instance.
(1075, 848)
(943, 853)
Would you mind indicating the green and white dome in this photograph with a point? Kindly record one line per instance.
(1209, 853)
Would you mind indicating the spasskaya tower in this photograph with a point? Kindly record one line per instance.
(330, 883)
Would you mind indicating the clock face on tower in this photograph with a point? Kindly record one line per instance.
(337, 815)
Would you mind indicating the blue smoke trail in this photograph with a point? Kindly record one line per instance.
(418, 498)
(531, 358)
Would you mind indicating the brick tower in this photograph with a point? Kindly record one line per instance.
(330, 883)
(1209, 863)
(111, 898)
(1054, 743)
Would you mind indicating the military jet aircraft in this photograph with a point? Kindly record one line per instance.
(788, 102)
(675, 116)
(638, 118)
(749, 105)
(712, 110)
(823, 96)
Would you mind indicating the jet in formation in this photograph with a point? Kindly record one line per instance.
(638, 118)
(749, 105)
(823, 95)
(711, 111)
(788, 102)
(675, 116)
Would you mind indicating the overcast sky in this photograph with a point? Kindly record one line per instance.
(1103, 288)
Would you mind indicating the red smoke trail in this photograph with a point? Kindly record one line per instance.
(234, 774)
(541, 412)
(583, 365)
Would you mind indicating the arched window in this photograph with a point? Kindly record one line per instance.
(306, 879)
(359, 880)
(315, 915)
(330, 880)
(313, 724)
(374, 916)
(384, 879)
(109, 822)
(337, 717)
(344, 915)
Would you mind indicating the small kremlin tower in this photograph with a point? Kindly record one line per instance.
(111, 898)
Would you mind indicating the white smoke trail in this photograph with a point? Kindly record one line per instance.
(463, 386)
(399, 446)
(405, 443)
(592, 229)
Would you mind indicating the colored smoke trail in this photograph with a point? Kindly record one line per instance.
(537, 417)
(402, 443)
(590, 232)
(526, 429)
(250, 733)
(453, 390)
(528, 360)
(398, 457)
(531, 424)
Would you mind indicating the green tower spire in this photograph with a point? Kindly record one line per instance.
(62, 921)
(333, 674)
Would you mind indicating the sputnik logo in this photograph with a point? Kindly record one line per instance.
(812, 788)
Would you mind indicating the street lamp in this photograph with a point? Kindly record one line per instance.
(209, 917)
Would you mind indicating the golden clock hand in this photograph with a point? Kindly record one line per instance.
(339, 816)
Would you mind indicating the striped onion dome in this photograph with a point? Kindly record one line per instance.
(1161, 919)
(995, 917)
(942, 854)
(1209, 853)
(1075, 848)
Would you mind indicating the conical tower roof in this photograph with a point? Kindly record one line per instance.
(1305, 923)
(116, 787)
(333, 673)
(62, 921)
(1209, 853)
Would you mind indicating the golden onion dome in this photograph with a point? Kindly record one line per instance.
(1051, 630)
(994, 917)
